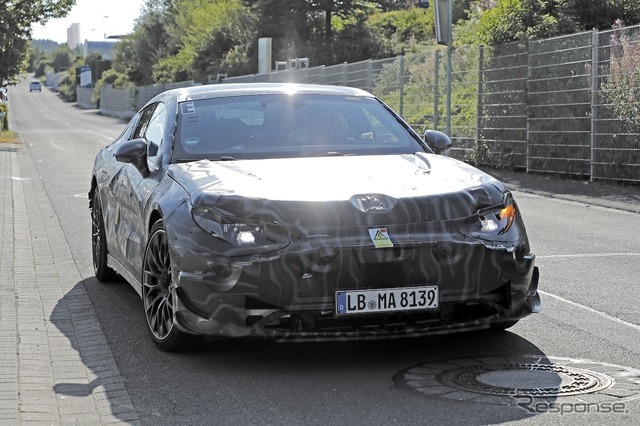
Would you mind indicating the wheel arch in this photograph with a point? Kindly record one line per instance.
(93, 191)
(155, 216)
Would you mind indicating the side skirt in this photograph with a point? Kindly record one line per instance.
(119, 268)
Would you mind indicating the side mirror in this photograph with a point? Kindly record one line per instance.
(134, 152)
(437, 141)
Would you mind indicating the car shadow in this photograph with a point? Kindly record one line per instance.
(239, 373)
(73, 316)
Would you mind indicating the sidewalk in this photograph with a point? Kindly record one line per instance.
(601, 194)
(55, 364)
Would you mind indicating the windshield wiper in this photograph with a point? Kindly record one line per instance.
(226, 158)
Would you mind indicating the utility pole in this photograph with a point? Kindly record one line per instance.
(443, 11)
(104, 27)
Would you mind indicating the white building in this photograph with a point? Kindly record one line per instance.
(103, 48)
(73, 36)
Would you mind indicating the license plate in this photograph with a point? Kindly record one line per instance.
(386, 300)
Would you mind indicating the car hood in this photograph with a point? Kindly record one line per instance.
(358, 190)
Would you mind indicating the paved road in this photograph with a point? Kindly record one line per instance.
(73, 349)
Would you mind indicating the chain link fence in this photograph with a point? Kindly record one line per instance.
(567, 105)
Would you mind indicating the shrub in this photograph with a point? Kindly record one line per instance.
(621, 88)
(5, 120)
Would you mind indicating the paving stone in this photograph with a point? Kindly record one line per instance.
(50, 338)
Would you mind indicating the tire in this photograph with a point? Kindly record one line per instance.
(99, 243)
(159, 295)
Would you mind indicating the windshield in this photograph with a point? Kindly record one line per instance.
(277, 126)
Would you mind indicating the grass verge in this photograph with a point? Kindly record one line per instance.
(7, 136)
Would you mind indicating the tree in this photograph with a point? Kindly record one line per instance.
(16, 18)
(62, 58)
(399, 31)
(288, 22)
(212, 36)
(621, 88)
(501, 21)
(348, 7)
(312, 28)
(600, 14)
(149, 44)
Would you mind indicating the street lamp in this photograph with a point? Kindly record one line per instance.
(104, 30)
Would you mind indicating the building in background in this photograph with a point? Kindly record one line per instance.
(103, 47)
(73, 36)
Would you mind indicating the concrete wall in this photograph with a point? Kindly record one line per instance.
(117, 103)
(84, 98)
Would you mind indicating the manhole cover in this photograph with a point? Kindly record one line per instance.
(499, 380)
(525, 379)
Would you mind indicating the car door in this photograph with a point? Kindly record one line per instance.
(109, 180)
(135, 189)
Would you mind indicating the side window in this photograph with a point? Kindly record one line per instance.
(127, 133)
(151, 127)
(155, 130)
(143, 124)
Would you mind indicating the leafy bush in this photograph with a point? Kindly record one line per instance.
(5, 121)
(621, 88)
(67, 86)
(110, 77)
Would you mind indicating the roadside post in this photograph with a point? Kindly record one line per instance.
(443, 36)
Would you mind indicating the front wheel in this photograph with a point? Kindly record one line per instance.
(159, 295)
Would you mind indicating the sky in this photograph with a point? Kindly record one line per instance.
(96, 17)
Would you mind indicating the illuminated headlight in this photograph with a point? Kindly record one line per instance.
(246, 238)
(497, 222)
(244, 234)
(236, 233)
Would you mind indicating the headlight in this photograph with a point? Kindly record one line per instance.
(497, 221)
(242, 233)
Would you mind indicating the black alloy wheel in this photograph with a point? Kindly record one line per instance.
(159, 295)
(99, 243)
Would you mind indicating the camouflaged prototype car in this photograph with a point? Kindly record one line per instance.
(302, 212)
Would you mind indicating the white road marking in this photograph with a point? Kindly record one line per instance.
(21, 178)
(558, 256)
(53, 144)
(593, 311)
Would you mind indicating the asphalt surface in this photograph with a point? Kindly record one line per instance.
(73, 350)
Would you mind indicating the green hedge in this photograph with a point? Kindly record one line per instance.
(5, 121)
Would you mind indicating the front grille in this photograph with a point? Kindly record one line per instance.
(319, 275)
(326, 322)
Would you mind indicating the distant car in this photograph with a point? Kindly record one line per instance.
(35, 85)
(302, 212)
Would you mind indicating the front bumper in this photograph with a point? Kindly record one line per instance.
(290, 296)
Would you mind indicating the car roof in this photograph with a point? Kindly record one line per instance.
(244, 89)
